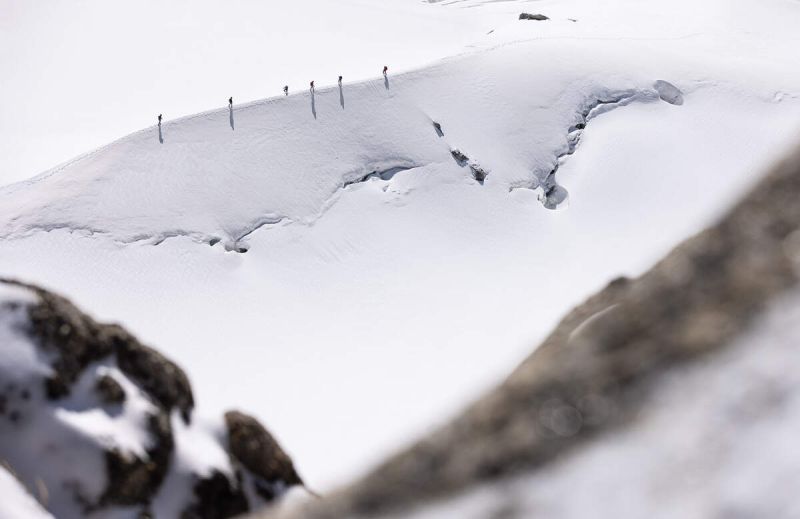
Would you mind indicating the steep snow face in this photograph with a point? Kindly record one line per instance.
(383, 284)
(701, 447)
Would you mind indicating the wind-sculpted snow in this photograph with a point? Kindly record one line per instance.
(553, 194)
(221, 175)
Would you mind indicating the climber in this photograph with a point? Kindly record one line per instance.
(230, 102)
(159, 119)
(385, 70)
(286, 90)
(340, 80)
(312, 86)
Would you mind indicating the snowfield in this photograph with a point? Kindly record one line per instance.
(327, 262)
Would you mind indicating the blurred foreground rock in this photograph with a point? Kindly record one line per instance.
(94, 423)
(676, 394)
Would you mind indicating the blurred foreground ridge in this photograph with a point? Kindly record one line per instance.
(668, 395)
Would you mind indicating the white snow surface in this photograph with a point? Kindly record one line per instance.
(363, 314)
(714, 440)
(16, 502)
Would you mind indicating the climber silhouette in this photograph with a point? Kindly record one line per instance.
(230, 111)
(159, 119)
(286, 90)
(312, 86)
(385, 70)
(340, 80)
(386, 77)
(341, 93)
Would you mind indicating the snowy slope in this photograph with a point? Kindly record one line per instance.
(364, 312)
(199, 52)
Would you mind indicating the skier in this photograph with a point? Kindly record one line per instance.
(230, 102)
(286, 90)
(385, 70)
(312, 86)
(159, 119)
(340, 80)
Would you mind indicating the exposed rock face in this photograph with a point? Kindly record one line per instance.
(255, 448)
(600, 376)
(528, 16)
(109, 390)
(89, 415)
(215, 496)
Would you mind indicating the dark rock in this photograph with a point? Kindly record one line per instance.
(158, 376)
(461, 159)
(73, 337)
(216, 498)
(528, 16)
(135, 481)
(478, 173)
(258, 452)
(73, 343)
(110, 391)
(77, 340)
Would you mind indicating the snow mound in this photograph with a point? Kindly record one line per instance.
(221, 175)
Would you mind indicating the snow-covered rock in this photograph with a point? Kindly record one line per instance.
(671, 395)
(97, 424)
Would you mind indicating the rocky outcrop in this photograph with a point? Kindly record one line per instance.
(256, 450)
(602, 372)
(96, 418)
(537, 17)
